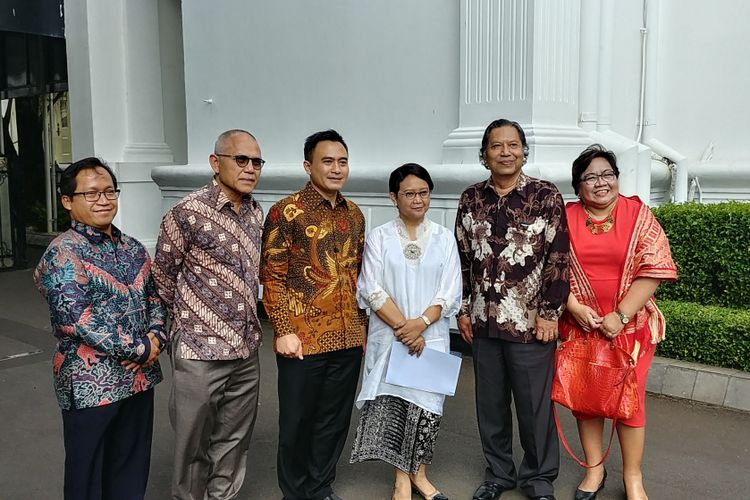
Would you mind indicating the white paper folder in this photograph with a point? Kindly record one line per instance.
(433, 371)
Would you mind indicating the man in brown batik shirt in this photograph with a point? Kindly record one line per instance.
(312, 251)
(206, 270)
(513, 243)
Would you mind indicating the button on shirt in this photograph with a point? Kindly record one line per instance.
(514, 253)
(103, 303)
(312, 253)
(206, 270)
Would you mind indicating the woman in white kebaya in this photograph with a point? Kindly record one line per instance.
(411, 281)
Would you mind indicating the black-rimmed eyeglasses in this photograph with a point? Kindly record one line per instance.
(93, 196)
(243, 160)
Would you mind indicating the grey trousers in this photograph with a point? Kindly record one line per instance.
(212, 407)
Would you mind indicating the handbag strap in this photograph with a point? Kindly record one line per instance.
(570, 451)
(611, 431)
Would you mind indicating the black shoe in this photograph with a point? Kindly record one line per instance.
(590, 495)
(488, 491)
(435, 495)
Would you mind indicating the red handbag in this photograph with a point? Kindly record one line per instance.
(596, 377)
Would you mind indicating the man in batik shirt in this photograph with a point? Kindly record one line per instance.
(109, 324)
(312, 251)
(513, 243)
(206, 270)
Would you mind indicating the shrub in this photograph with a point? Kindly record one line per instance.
(711, 335)
(711, 247)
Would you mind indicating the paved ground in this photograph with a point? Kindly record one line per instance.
(693, 451)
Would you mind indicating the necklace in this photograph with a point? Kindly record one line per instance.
(599, 227)
(413, 249)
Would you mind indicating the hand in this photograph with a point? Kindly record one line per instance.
(586, 317)
(289, 346)
(611, 325)
(464, 327)
(410, 331)
(546, 331)
(417, 346)
(152, 355)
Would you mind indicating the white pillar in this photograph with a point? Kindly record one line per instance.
(519, 60)
(114, 70)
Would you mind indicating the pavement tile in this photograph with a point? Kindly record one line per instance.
(710, 387)
(679, 381)
(738, 392)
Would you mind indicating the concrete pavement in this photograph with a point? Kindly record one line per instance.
(693, 451)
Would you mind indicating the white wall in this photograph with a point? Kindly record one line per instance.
(383, 73)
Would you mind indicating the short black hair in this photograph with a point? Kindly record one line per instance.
(502, 122)
(325, 135)
(67, 183)
(584, 159)
(405, 170)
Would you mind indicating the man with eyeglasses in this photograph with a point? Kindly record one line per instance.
(312, 252)
(206, 270)
(513, 243)
(109, 324)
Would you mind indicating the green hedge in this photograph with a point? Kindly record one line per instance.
(711, 246)
(711, 335)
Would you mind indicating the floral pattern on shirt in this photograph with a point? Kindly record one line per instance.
(514, 257)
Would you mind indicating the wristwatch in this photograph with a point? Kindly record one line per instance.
(426, 320)
(623, 317)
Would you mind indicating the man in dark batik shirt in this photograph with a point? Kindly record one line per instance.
(109, 325)
(513, 243)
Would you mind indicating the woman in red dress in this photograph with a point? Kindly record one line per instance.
(619, 255)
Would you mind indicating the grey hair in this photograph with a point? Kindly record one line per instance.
(225, 136)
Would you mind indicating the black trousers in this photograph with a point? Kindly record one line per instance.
(524, 371)
(108, 449)
(316, 395)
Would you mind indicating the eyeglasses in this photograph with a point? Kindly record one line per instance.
(93, 196)
(243, 160)
(592, 179)
(409, 195)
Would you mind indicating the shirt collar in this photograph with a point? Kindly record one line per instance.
(221, 198)
(522, 186)
(314, 198)
(93, 234)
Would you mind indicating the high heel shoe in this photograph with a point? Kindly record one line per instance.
(435, 495)
(591, 495)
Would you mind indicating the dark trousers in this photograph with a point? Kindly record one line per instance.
(503, 368)
(316, 395)
(108, 449)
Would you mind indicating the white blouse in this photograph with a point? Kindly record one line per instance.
(431, 275)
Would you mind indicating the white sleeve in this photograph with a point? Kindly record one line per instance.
(450, 289)
(370, 292)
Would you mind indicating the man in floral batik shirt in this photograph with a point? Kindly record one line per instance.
(513, 242)
(109, 323)
(312, 253)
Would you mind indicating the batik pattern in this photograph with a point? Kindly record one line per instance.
(312, 253)
(514, 254)
(103, 303)
(206, 270)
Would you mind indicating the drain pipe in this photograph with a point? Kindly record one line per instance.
(647, 120)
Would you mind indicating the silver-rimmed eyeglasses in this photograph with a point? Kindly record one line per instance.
(410, 195)
(592, 179)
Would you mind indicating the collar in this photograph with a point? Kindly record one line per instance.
(522, 185)
(93, 234)
(313, 198)
(221, 198)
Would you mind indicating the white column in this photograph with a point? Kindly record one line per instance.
(114, 68)
(519, 60)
